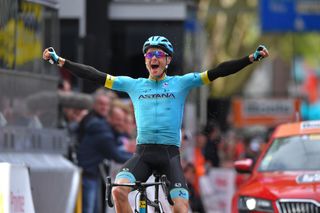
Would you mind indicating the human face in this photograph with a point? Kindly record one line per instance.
(201, 140)
(102, 105)
(117, 119)
(157, 65)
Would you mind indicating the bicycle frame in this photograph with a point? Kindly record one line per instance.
(143, 207)
(144, 201)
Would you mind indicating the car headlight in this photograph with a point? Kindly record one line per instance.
(248, 204)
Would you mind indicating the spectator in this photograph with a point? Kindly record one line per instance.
(194, 198)
(187, 147)
(64, 86)
(73, 107)
(254, 147)
(239, 148)
(129, 126)
(211, 149)
(118, 119)
(113, 96)
(96, 143)
(232, 148)
(199, 159)
(73, 118)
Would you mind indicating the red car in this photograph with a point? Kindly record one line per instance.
(286, 176)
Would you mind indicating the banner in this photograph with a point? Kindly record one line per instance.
(290, 15)
(217, 188)
(15, 190)
(267, 112)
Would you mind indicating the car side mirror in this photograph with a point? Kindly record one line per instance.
(244, 166)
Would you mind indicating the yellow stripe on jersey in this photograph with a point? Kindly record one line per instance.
(109, 81)
(204, 77)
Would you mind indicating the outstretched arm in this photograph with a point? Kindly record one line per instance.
(233, 66)
(77, 69)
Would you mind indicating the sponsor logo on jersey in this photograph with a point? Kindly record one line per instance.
(153, 96)
(182, 193)
(165, 84)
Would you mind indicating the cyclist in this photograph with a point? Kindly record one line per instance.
(158, 105)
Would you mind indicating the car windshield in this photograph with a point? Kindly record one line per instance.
(292, 154)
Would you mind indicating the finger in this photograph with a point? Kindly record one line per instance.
(265, 49)
(46, 54)
(265, 54)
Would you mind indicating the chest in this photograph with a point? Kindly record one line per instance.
(158, 93)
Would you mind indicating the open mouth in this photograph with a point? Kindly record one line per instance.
(154, 66)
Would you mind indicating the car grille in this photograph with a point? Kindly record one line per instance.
(298, 206)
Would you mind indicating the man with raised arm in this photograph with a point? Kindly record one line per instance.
(158, 105)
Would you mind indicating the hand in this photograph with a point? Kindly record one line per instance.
(260, 53)
(50, 55)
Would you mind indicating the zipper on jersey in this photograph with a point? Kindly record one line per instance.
(156, 113)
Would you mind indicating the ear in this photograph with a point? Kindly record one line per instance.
(169, 58)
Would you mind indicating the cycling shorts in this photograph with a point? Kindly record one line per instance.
(160, 159)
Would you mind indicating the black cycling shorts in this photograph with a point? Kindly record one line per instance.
(162, 159)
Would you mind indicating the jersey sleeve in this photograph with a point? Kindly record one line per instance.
(195, 79)
(119, 83)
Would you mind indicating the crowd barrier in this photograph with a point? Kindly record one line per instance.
(15, 189)
(32, 182)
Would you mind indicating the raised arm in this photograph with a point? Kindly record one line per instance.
(233, 66)
(77, 69)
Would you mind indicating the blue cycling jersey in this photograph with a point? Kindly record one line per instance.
(158, 105)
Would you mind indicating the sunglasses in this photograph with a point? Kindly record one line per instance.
(157, 54)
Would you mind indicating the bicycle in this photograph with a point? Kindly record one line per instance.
(144, 201)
